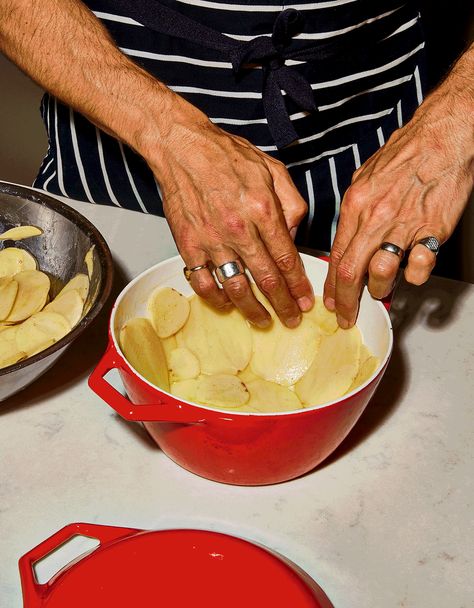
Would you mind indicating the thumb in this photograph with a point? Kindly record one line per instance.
(292, 203)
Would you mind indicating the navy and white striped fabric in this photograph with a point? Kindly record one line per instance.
(361, 99)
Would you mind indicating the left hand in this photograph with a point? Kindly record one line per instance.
(416, 185)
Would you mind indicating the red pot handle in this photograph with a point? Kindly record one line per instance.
(35, 593)
(166, 411)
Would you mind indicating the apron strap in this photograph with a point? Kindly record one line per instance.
(268, 51)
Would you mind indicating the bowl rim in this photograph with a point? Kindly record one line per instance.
(380, 369)
(105, 257)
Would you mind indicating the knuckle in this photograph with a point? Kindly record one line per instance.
(235, 225)
(354, 198)
(236, 288)
(288, 262)
(336, 253)
(382, 269)
(346, 273)
(203, 288)
(262, 207)
(269, 284)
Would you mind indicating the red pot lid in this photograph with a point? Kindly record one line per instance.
(169, 569)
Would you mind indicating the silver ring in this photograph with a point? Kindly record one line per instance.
(188, 271)
(226, 271)
(398, 251)
(431, 243)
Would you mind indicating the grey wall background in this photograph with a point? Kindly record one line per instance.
(23, 142)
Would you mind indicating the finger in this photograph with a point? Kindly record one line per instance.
(203, 282)
(350, 275)
(239, 291)
(383, 267)
(287, 263)
(273, 285)
(346, 229)
(421, 262)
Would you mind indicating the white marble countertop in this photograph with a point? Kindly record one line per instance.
(386, 522)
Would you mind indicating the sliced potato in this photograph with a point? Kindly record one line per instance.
(185, 389)
(180, 343)
(169, 311)
(33, 289)
(89, 261)
(183, 364)
(220, 340)
(79, 282)
(69, 305)
(334, 368)
(221, 390)
(283, 355)
(14, 260)
(368, 365)
(169, 344)
(41, 331)
(324, 318)
(8, 291)
(247, 375)
(270, 397)
(143, 350)
(9, 351)
(20, 232)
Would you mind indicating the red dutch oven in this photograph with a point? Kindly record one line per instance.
(178, 568)
(225, 446)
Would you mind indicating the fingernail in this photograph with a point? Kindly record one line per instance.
(344, 323)
(293, 232)
(305, 303)
(262, 324)
(293, 322)
(330, 304)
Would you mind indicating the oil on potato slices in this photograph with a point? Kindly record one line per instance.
(30, 321)
(219, 359)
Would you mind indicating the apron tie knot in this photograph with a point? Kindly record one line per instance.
(271, 53)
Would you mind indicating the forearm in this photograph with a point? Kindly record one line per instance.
(63, 47)
(448, 112)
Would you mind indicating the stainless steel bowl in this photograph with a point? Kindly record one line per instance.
(60, 251)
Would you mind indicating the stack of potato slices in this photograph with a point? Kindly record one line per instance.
(30, 321)
(218, 359)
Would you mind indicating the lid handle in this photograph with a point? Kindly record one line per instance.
(33, 592)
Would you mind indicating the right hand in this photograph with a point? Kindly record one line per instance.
(225, 200)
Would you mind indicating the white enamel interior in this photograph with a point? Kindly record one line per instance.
(373, 320)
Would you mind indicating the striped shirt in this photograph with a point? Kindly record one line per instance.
(361, 98)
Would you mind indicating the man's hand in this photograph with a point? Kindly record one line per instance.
(225, 200)
(416, 185)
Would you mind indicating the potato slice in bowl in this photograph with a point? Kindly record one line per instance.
(80, 283)
(185, 389)
(168, 310)
(8, 291)
(20, 232)
(283, 355)
(9, 350)
(14, 260)
(221, 390)
(220, 340)
(270, 397)
(33, 290)
(40, 331)
(144, 351)
(368, 365)
(333, 369)
(69, 304)
(183, 365)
